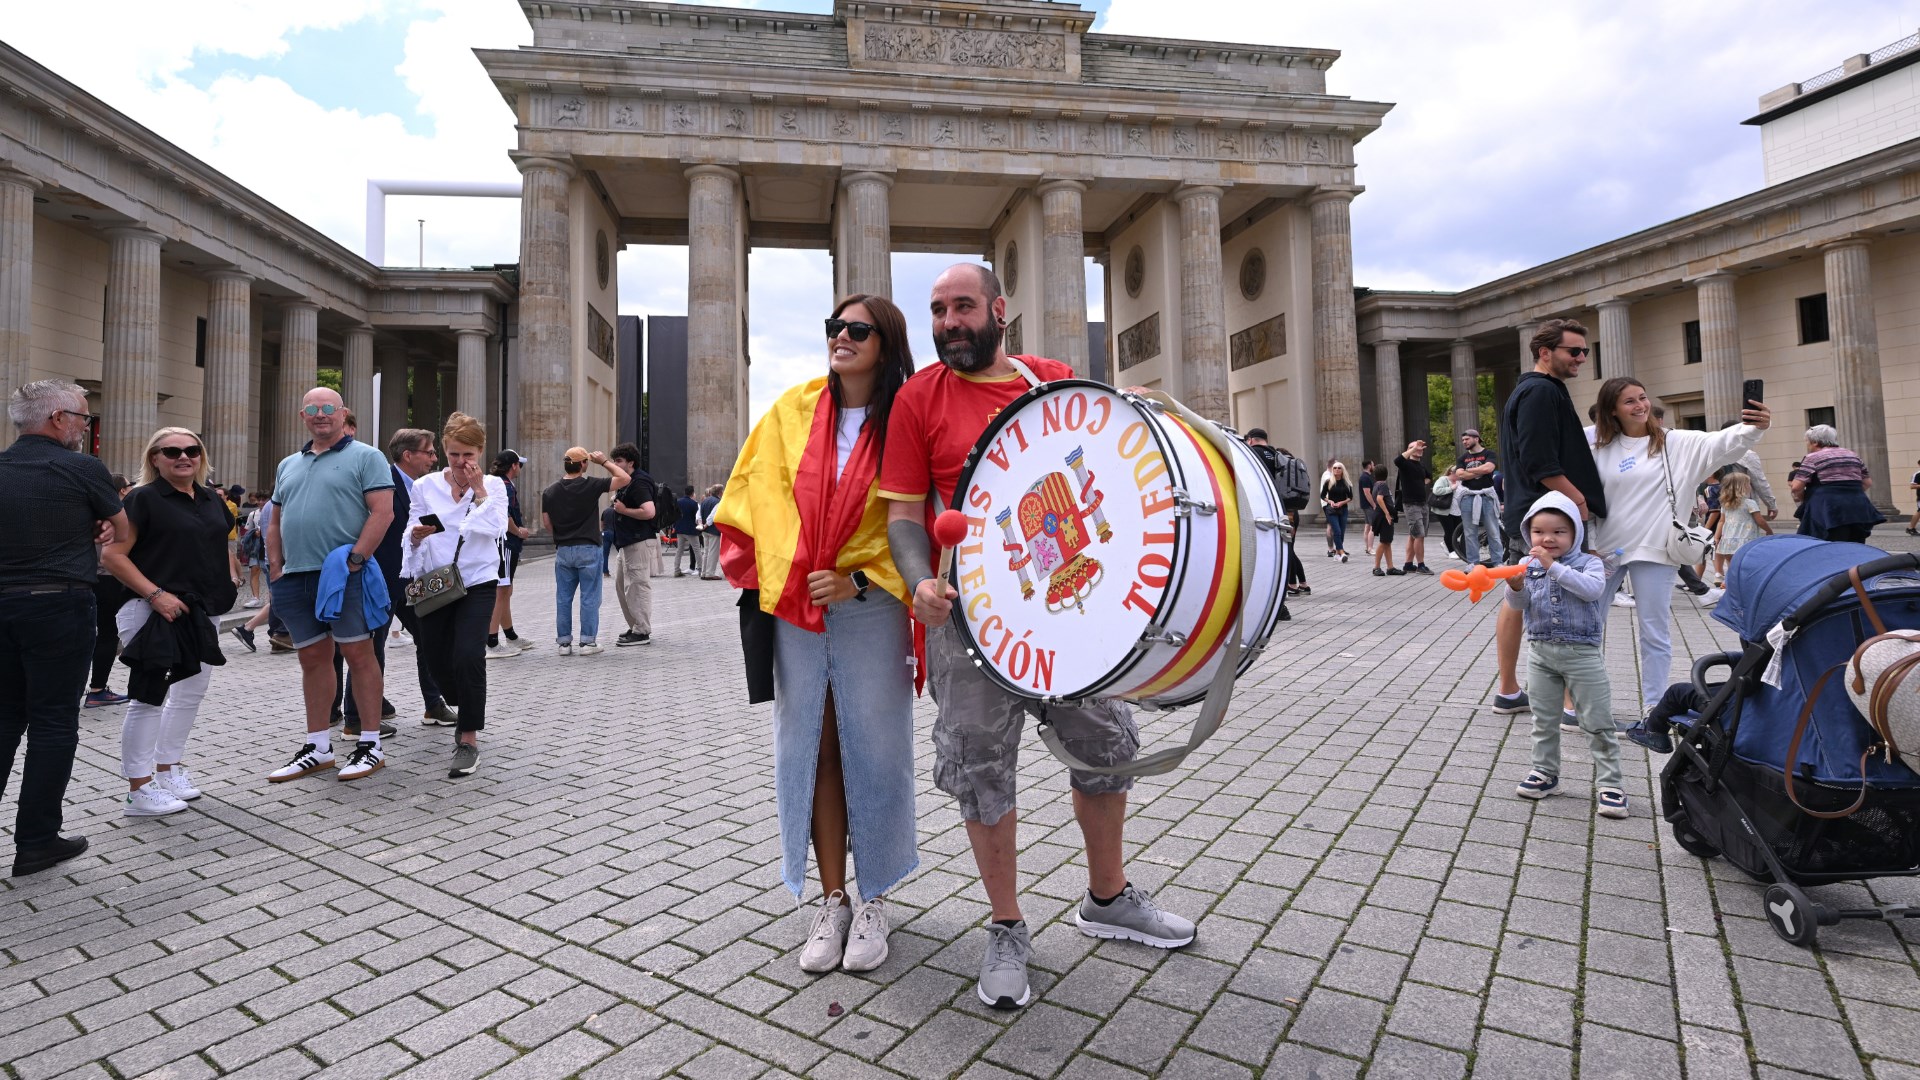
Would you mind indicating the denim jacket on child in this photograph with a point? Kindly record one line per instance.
(1564, 603)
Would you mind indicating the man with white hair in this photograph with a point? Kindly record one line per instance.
(54, 499)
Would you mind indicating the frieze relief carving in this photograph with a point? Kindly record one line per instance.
(1140, 342)
(625, 117)
(1261, 341)
(965, 48)
(569, 113)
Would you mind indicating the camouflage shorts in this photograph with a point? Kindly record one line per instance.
(977, 733)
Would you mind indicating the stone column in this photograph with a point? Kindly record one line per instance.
(425, 409)
(1203, 305)
(1860, 409)
(1719, 348)
(1526, 332)
(868, 255)
(472, 373)
(1391, 400)
(1616, 338)
(299, 371)
(356, 381)
(225, 403)
(130, 359)
(16, 286)
(713, 323)
(1336, 349)
(1466, 389)
(546, 327)
(1063, 269)
(392, 363)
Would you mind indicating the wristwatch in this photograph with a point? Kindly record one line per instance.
(860, 582)
(355, 560)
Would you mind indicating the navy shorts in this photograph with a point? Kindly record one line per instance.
(293, 598)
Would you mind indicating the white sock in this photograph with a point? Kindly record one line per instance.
(322, 741)
(371, 737)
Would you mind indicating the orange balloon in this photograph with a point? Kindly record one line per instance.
(1479, 581)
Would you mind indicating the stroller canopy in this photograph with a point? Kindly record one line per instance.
(1771, 577)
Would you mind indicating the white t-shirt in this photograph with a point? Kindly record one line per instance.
(851, 420)
(1639, 512)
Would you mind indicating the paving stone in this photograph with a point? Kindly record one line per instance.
(1606, 1052)
(1642, 1007)
(1141, 1034)
(1338, 1022)
(1365, 971)
(1506, 1057)
(659, 1053)
(1294, 1059)
(1403, 1060)
(1430, 1014)
(1714, 1055)
(1041, 1040)
(1809, 1044)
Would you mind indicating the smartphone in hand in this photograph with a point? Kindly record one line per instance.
(432, 520)
(1753, 390)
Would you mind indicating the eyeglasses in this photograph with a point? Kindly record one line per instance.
(858, 331)
(88, 417)
(173, 453)
(320, 410)
(1575, 351)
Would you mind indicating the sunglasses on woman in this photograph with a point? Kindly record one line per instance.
(172, 453)
(858, 331)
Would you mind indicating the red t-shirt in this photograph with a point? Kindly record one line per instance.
(938, 416)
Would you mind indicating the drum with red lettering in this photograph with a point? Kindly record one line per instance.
(1103, 548)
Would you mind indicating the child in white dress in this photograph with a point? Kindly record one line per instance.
(1741, 519)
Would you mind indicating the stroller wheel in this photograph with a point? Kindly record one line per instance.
(1691, 841)
(1791, 914)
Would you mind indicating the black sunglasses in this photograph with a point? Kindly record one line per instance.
(1575, 351)
(858, 331)
(172, 453)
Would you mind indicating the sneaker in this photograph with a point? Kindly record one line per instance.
(387, 712)
(1537, 785)
(245, 637)
(1610, 803)
(827, 941)
(1394, 571)
(1659, 742)
(1511, 704)
(254, 603)
(632, 638)
(1003, 966)
(1569, 721)
(176, 782)
(1343, 556)
(1377, 572)
(281, 642)
(152, 800)
(1408, 568)
(99, 699)
(336, 718)
(1421, 568)
(399, 637)
(502, 651)
(437, 714)
(1132, 916)
(566, 648)
(867, 938)
(309, 760)
(365, 760)
(1330, 553)
(1621, 599)
(466, 758)
(589, 648)
(1710, 597)
(523, 644)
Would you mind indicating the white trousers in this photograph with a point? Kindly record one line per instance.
(153, 733)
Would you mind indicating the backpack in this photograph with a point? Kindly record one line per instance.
(1290, 477)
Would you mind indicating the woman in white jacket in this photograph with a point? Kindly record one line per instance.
(1636, 456)
(471, 508)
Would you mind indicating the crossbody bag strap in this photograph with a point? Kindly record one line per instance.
(1793, 755)
(1866, 602)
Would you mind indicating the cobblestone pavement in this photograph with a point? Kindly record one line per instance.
(602, 898)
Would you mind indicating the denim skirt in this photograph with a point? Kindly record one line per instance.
(865, 657)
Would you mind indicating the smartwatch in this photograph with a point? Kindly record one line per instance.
(356, 560)
(860, 582)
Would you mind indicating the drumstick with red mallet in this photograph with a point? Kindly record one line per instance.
(948, 530)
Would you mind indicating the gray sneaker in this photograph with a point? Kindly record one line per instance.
(1133, 917)
(466, 758)
(867, 939)
(827, 939)
(1003, 967)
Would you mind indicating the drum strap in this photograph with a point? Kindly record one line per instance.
(1213, 709)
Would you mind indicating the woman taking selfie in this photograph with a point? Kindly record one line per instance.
(803, 523)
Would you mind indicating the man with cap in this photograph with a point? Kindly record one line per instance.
(506, 466)
(1478, 507)
(570, 512)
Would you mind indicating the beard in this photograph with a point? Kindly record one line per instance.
(966, 351)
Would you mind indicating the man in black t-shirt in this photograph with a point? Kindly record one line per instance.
(636, 547)
(1412, 482)
(1479, 509)
(570, 512)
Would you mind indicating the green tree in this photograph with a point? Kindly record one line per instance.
(332, 378)
(1444, 448)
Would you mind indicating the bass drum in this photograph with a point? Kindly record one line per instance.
(1103, 550)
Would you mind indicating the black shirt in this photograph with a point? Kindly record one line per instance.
(180, 542)
(573, 506)
(1472, 460)
(638, 492)
(1541, 436)
(514, 541)
(50, 498)
(1413, 479)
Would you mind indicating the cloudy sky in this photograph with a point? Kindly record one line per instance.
(1522, 131)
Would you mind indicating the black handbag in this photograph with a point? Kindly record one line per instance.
(756, 644)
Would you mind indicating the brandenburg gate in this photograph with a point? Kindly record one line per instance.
(1212, 180)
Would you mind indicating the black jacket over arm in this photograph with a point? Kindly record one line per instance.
(1541, 436)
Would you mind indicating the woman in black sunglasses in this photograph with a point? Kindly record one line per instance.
(173, 558)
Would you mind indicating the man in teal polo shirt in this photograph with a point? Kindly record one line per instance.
(336, 492)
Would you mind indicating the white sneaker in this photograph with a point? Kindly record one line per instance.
(828, 938)
(1710, 597)
(306, 762)
(175, 782)
(253, 602)
(1621, 599)
(151, 800)
(502, 651)
(867, 937)
(399, 637)
(365, 760)
(566, 648)
(523, 644)
(589, 648)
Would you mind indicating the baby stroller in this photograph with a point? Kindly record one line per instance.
(1846, 812)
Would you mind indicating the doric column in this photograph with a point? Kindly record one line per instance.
(1203, 305)
(869, 233)
(226, 405)
(299, 370)
(1390, 399)
(546, 327)
(472, 374)
(130, 360)
(391, 360)
(1719, 348)
(356, 381)
(713, 323)
(1526, 332)
(1063, 273)
(1616, 338)
(1336, 348)
(425, 410)
(1466, 389)
(1860, 410)
(16, 286)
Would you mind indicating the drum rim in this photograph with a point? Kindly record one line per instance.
(975, 652)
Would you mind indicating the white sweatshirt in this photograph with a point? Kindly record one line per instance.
(483, 526)
(1639, 515)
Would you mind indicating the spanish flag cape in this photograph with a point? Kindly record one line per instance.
(785, 514)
